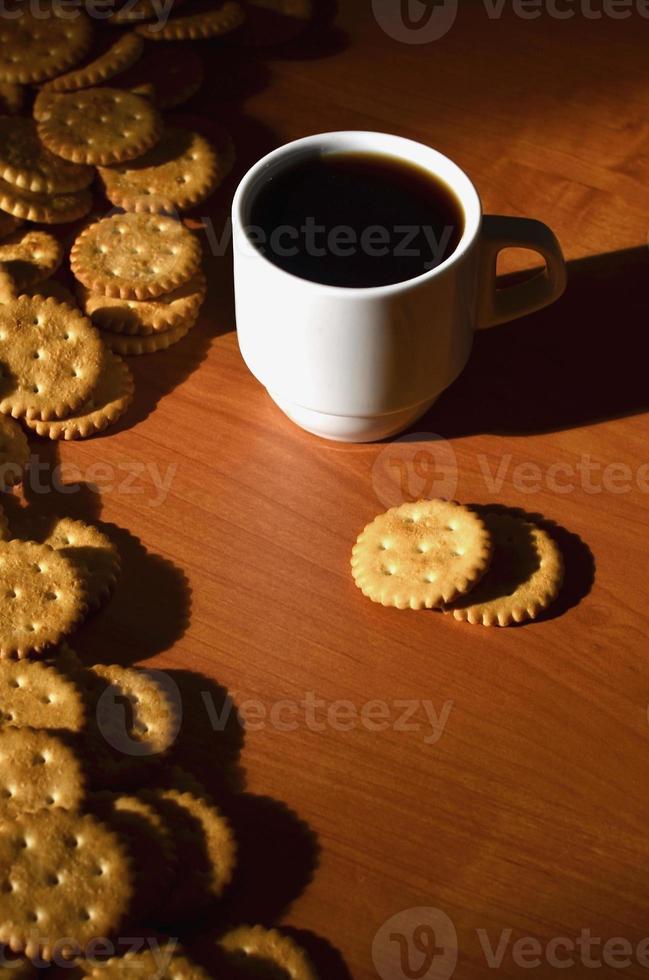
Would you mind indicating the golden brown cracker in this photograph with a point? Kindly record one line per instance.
(27, 164)
(120, 55)
(34, 48)
(421, 555)
(181, 171)
(135, 256)
(143, 317)
(50, 209)
(51, 358)
(41, 598)
(98, 125)
(30, 256)
(129, 346)
(38, 770)
(106, 404)
(152, 723)
(66, 879)
(166, 962)
(261, 947)
(524, 578)
(38, 695)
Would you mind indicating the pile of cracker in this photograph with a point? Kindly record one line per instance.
(100, 835)
(486, 565)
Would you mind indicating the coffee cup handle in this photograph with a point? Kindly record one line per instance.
(500, 305)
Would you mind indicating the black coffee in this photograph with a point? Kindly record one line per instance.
(356, 219)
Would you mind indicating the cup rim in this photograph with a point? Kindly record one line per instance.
(461, 185)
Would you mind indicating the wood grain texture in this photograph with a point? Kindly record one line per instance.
(530, 812)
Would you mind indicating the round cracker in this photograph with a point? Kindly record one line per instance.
(181, 171)
(173, 82)
(90, 552)
(129, 346)
(421, 555)
(206, 851)
(50, 209)
(150, 842)
(38, 695)
(119, 56)
(12, 97)
(167, 962)
(41, 598)
(209, 22)
(38, 770)
(144, 317)
(63, 875)
(135, 256)
(525, 576)
(153, 724)
(30, 256)
(106, 404)
(27, 164)
(34, 48)
(51, 358)
(258, 945)
(98, 125)
(14, 453)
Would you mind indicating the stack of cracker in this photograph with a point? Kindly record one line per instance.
(102, 834)
(486, 565)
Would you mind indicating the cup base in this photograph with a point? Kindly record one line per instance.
(352, 428)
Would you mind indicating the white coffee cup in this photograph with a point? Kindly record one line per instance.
(356, 365)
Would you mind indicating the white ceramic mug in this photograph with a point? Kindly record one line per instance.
(357, 365)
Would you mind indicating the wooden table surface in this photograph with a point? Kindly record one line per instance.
(513, 799)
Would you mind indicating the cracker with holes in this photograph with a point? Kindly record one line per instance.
(421, 555)
(208, 21)
(135, 256)
(30, 256)
(90, 552)
(152, 723)
(65, 878)
(181, 171)
(98, 125)
(50, 209)
(38, 770)
(34, 48)
(38, 695)
(107, 403)
(14, 453)
(150, 841)
(206, 851)
(260, 947)
(167, 962)
(51, 358)
(525, 577)
(118, 55)
(144, 317)
(41, 598)
(25, 162)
